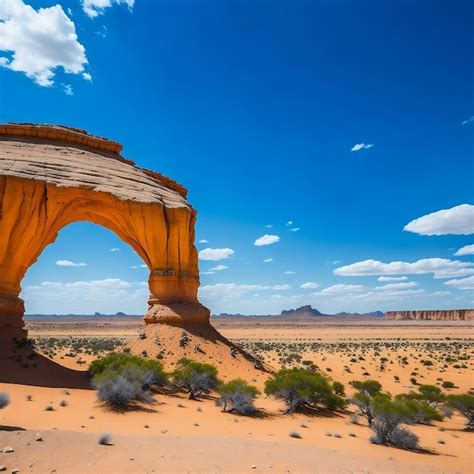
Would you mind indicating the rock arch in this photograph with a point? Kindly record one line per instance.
(52, 176)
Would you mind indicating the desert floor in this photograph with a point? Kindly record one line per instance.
(178, 435)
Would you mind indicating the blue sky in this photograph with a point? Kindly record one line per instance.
(255, 106)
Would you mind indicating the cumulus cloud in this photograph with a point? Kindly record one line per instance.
(215, 254)
(468, 120)
(85, 297)
(38, 42)
(266, 240)
(94, 8)
(440, 267)
(232, 291)
(362, 146)
(68, 263)
(466, 250)
(400, 278)
(309, 285)
(68, 90)
(462, 283)
(86, 76)
(268, 260)
(458, 220)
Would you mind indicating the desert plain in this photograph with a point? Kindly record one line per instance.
(54, 420)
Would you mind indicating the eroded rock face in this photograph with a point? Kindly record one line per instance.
(434, 315)
(52, 176)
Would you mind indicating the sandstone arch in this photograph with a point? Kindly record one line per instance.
(51, 176)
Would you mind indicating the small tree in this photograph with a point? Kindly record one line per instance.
(195, 378)
(432, 394)
(464, 403)
(4, 399)
(422, 411)
(389, 415)
(339, 388)
(237, 395)
(363, 399)
(301, 387)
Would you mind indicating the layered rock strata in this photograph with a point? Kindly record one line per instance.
(433, 315)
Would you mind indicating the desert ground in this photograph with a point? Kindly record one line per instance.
(54, 419)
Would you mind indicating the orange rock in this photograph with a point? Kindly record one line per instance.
(46, 184)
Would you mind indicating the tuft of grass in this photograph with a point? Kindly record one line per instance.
(294, 434)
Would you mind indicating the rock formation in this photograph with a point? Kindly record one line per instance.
(52, 176)
(306, 310)
(434, 315)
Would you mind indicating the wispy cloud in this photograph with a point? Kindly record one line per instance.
(458, 220)
(462, 283)
(468, 120)
(203, 241)
(115, 249)
(94, 8)
(289, 223)
(309, 285)
(266, 240)
(362, 146)
(268, 260)
(294, 229)
(68, 263)
(400, 278)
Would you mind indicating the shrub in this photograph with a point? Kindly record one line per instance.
(4, 399)
(422, 412)
(448, 384)
(301, 387)
(389, 415)
(237, 395)
(195, 378)
(104, 439)
(368, 387)
(432, 394)
(122, 378)
(464, 403)
(364, 397)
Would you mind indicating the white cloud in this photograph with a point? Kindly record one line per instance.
(440, 267)
(458, 220)
(266, 240)
(94, 8)
(85, 297)
(340, 289)
(68, 90)
(139, 266)
(440, 293)
(360, 146)
(289, 223)
(466, 250)
(219, 268)
(203, 241)
(268, 260)
(397, 286)
(336, 262)
(68, 263)
(39, 41)
(268, 226)
(215, 254)
(377, 296)
(86, 76)
(468, 120)
(290, 272)
(400, 278)
(462, 283)
(225, 291)
(115, 249)
(281, 287)
(309, 285)
(294, 229)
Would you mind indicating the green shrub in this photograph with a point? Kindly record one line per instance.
(195, 378)
(301, 387)
(448, 384)
(368, 387)
(121, 378)
(464, 403)
(339, 388)
(422, 412)
(237, 395)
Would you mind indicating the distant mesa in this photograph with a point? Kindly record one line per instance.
(306, 310)
(432, 315)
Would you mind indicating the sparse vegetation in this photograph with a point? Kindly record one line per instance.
(464, 403)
